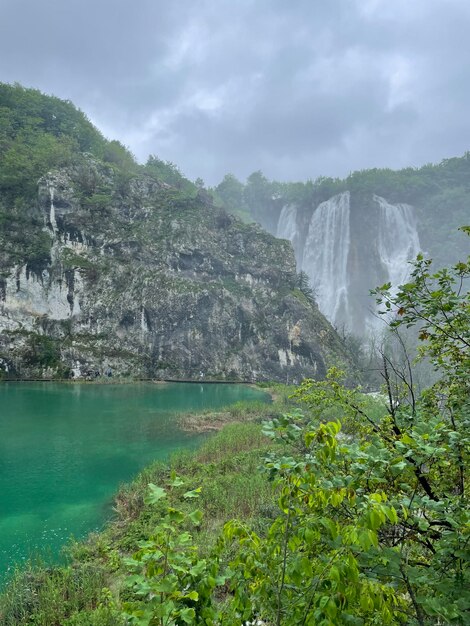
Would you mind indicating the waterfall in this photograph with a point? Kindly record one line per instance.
(143, 320)
(325, 257)
(398, 241)
(52, 219)
(381, 248)
(287, 226)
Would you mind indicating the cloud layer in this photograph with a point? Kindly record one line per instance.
(297, 90)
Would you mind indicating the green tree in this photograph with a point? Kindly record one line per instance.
(39, 133)
(305, 286)
(167, 172)
(375, 524)
(230, 191)
(115, 153)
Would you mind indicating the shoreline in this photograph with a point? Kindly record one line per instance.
(230, 456)
(122, 381)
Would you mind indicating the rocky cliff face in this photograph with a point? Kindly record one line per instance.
(138, 279)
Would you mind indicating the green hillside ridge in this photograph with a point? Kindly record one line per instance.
(439, 192)
(39, 133)
(110, 266)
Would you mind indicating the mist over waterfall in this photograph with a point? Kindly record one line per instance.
(325, 256)
(398, 240)
(287, 226)
(347, 246)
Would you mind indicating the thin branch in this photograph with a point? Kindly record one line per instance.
(284, 565)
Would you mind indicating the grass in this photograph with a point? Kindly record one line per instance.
(48, 596)
(87, 591)
(240, 412)
(225, 467)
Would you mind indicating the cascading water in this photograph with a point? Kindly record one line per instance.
(287, 226)
(397, 243)
(398, 240)
(52, 219)
(341, 289)
(325, 257)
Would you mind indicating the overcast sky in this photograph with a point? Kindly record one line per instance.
(298, 88)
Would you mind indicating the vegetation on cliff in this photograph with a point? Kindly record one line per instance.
(359, 516)
(106, 264)
(41, 133)
(439, 192)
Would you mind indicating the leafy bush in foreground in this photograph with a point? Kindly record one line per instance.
(374, 523)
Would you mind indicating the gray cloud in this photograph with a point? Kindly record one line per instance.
(298, 90)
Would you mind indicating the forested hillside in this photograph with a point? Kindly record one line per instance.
(354, 234)
(40, 133)
(439, 192)
(111, 266)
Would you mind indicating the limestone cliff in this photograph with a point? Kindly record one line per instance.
(140, 279)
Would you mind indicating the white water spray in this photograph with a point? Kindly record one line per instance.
(398, 240)
(287, 226)
(325, 257)
(52, 219)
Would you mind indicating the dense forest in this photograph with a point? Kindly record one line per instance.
(439, 192)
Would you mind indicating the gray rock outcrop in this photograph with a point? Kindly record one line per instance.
(144, 281)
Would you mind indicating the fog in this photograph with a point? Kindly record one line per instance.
(297, 90)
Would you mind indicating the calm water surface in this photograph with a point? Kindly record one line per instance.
(65, 448)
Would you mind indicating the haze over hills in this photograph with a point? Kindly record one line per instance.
(351, 235)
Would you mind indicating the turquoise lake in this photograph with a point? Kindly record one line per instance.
(66, 448)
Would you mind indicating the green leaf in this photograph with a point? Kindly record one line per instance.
(323, 602)
(175, 481)
(367, 604)
(198, 568)
(187, 615)
(192, 595)
(364, 540)
(192, 494)
(391, 514)
(196, 517)
(334, 574)
(175, 516)
(155, 494)
(374, 520)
